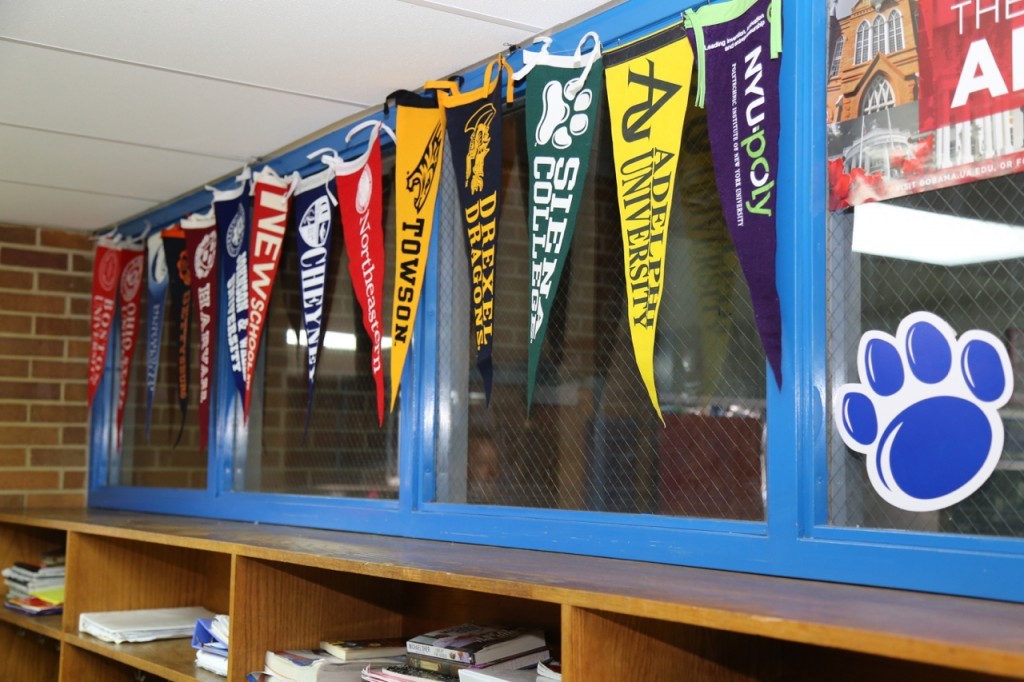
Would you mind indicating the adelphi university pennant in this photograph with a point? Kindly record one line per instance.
(360, 202)
(232, 209)
(156, 304)
(418, 163)
(180, 276)
(201, 242)
(738, 45)
(106, 273)
(562, 101)
(272, 194)
(474, 134)
(647, 82)
(130, 290)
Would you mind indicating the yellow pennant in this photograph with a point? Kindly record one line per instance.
(648, 82)
(418, 162)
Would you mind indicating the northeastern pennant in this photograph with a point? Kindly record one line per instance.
(418, 163)
(156, 304)
(314, 219)
(647, 83)
(474, 133)
(562, 96)
(269, 220)
(231, 209)
(130, 289)
(201, 242)
(180, 274)
(738, 44)
(361, 205)
(106, 272)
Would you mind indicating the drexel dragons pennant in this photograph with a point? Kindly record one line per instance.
(231, 208)
(562, 96)
(106, 273)
(647, 83)
(180, 273)
(201, 244)
(474, 134)
(738, 45)
(156, 303)
(130, 289)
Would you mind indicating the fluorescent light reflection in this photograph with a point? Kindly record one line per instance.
(332, 340)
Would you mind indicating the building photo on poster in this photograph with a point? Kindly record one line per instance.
(922, 94)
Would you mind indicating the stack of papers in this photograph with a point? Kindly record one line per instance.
(142, 625)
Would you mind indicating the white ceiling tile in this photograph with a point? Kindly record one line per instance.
(29, 205)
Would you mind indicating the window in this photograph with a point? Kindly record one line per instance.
(837, 57)
(877, 36)
(863, 43)
(895, 23)
(879, 96)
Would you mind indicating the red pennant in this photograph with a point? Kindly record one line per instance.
(134, 260)
(201, 242)
(269, 220)
(106, 273)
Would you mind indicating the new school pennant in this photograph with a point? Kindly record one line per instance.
(360, 199)
(418, 165)
(647, 83)
(315, 222)
(231, 209)
(156, 300)
(269, 221)
(562, 96)
(738, 44)
(130, 290)
(106, 273)
(201, 243)
(179, 285)
(474, 133)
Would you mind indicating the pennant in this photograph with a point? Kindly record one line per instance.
(738, 44)
(130, 289)
(474, 133)
(156, 303)
(269, 220)
(201, 244)
(106, 273)
(231, 211)
(360, 199)
(315, 221)
(562, 95)
(648, 82)
(418, 164)
(180, 280)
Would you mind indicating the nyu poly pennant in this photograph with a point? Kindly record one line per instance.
(360, 201)
(201, 242)
(418, 165)
(179, 286)
(272, 194)
(231, 209)
(647, 83)
(738, 44)
(314, 219)
(130, 290)
(562, 98)
(106, 273)
(156, 303)
(474, 134)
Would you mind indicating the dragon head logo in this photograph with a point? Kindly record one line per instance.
(479, 128)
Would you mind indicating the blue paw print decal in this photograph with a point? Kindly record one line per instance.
(926, 411)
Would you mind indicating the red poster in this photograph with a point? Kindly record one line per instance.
(106, 272)
(134, 259)
(201, 242)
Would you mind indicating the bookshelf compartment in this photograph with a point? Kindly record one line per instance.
(27, 656)
(81, 665)
(26, 543)
(172, 659)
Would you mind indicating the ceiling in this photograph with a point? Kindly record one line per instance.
(110, 108)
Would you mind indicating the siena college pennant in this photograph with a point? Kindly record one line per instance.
(647, 83)
(360, 201)
(269, 220)
(130, 289)
(418, 163)
(156, 303)
(106, 272)
(562, 99)
(474, 134)
(231, 209)
(738, 44)
(201, 242)
(180, 274)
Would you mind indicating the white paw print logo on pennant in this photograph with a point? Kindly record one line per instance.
(565, 113)
(925, 412)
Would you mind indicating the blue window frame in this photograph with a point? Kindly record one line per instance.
(795, 539)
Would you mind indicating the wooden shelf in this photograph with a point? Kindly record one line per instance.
(172, 659)
(609, 619)
(47, 626)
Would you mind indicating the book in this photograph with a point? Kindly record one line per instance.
(33, 606)
(213, 662)
(316, 665)
(359, 649)
(451, 668)
(550, 669)
(475, 644)
(489, 675)
(142, 625)
(403, 673)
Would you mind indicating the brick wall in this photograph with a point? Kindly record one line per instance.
(45, 283)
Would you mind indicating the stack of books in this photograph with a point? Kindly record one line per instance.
(335, 661)
(210, 640)
(36, 589)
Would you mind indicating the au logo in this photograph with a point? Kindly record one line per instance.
(421, 178)
(479, 128)
(635, 123)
